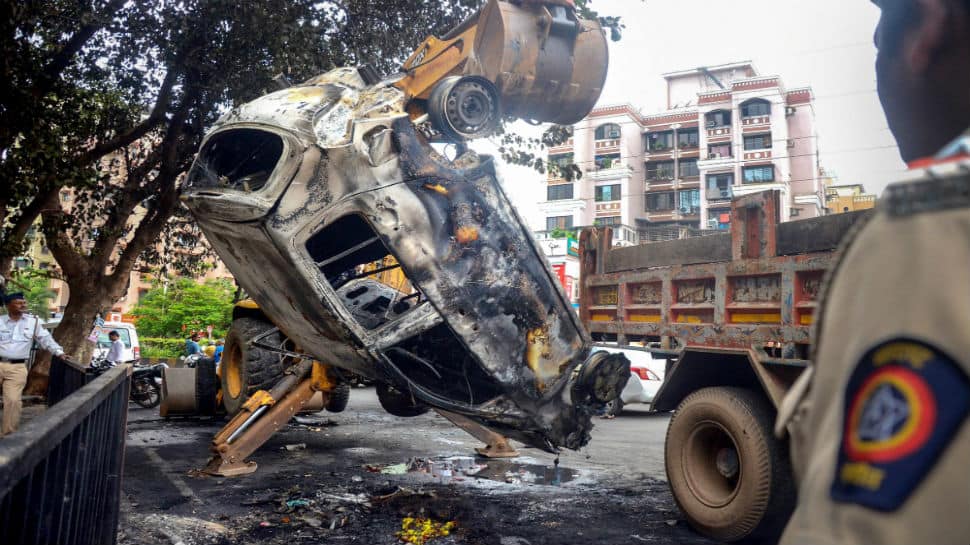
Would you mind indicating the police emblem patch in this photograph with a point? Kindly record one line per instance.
(904, 403)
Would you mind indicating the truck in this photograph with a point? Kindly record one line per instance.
(733, 314)
(309, 193)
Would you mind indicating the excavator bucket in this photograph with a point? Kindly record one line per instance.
(548, 65)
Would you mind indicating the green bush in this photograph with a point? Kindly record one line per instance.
(157, 347)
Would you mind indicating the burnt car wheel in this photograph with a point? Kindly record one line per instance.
(339, 398)
(245, 368)
(399, 403)
(728, 473)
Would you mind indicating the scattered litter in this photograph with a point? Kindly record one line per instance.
(396, 469)
(312, 522)
(671, 522)
(357, 479)
(266, 524)
(292, 504)
(315, 422)
(419, 531)
(513, 540)
(358, 499)
(639, 538)
(295, 446)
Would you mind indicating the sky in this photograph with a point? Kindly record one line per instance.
(825, 44)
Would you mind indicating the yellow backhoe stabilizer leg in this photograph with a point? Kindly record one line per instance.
(261, 416)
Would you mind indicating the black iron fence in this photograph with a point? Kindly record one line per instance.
(65, 378)
(60, 474)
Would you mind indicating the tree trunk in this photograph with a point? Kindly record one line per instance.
(72, 332)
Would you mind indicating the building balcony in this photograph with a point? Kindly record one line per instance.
(616, 172)
(565, 147)
(612, 144)
(562, 207)
(715, 160)
(756, 120)
(718, 132)
(757, 155)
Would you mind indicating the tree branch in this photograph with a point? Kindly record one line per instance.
(63, 57)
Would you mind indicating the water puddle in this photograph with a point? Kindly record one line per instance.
(503, 471)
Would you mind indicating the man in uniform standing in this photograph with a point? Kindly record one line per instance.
(879, 426)
(18, 332)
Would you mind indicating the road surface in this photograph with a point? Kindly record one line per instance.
(332, 491)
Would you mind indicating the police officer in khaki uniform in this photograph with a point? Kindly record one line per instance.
(18, 333)
(880, 428)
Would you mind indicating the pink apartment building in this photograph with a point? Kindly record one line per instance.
(727, 132)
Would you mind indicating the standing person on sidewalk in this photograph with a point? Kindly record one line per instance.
(880, 424)
(116, 354)
(18, 332)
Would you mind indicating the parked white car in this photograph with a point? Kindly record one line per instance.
(646, 376)
(128, 335)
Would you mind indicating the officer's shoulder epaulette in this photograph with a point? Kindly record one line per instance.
(941, 188)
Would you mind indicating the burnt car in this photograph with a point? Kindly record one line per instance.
(314, 195)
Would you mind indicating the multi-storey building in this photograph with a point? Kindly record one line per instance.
(727, 131)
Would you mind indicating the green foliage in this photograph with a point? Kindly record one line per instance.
(35, 284)
(162, 348)
(175, 308)
(562, 233)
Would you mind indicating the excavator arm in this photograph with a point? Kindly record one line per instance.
(527, 59)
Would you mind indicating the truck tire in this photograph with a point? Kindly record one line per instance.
(339, 398)
(729, 475)
(398, 403)
(206, 386)
(246, 369)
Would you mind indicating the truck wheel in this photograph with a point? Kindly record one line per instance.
(339, 398)
(730, 476)
(398, 403)
(245, 368)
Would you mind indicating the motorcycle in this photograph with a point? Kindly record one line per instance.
(146, 382)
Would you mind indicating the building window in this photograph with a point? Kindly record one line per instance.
(559, 192)
(719, 182)
(690, 201)
(660, 141)
(757, 141)
(559, 222)
(559, 163)
(755, 108)
(611, 160)
(718, 118)
(660, 201)
(610, 131)
(608, 193)
(719, 151)
(688, 138)
(611, 220)
(757, 175)
(660, 170)
(688, 168)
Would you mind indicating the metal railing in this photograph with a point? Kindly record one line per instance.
(60, 474)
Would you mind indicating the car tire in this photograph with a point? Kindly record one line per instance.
(399, 403)
(246, 369)
(339, 397)
(729, 475)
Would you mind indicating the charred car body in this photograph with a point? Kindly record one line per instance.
(306, 192)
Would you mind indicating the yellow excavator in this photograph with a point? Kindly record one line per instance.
(303, 191)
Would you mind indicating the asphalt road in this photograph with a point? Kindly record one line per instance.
(613, 491)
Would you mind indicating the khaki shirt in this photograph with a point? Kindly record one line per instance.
(879, 427)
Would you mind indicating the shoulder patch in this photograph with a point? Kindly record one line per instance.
(930, 195)
(904, 404)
